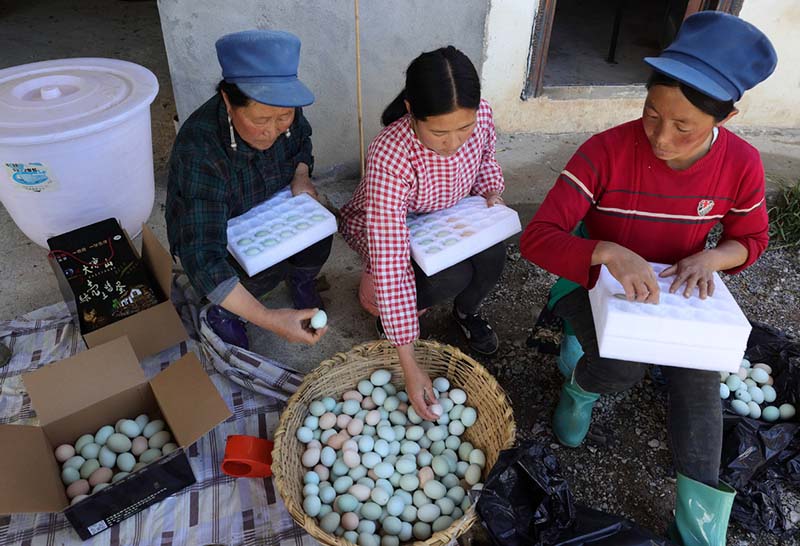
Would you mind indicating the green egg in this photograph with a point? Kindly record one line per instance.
(441, 523)
(126, 462)
(409, 513)
(434, 490)
(392, 525)
(107, 457)
(89, 467)
(473, 473)
(422, 531)
(312, 505)
(440, 465)
(82, 441)
(428, 512)
(118, 443)
(118, 476)
(153, 427)
(477, 457)
(446, 505)
(346, 503)
(90, 451)
(371, 511)
(150, 455)
(456, 494)
(464, 450)
(159, 439)
(102, 435)
(330, 522)
(70, 474)
(409, 482)
(770, 414)
(468, 417)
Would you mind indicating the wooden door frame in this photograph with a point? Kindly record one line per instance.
(543, 27)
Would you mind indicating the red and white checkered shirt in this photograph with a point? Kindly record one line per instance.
(402, 177)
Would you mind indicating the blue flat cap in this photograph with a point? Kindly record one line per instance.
(263, 64)
(717, 54)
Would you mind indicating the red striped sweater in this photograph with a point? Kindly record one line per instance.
(624, 194)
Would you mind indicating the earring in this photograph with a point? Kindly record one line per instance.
(288, 133)
(233, 140)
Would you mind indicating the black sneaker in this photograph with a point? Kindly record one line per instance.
(379, 328)
(478, 332)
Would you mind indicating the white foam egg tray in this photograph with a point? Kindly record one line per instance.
(708, 334)
(446, 237)
(276, 229)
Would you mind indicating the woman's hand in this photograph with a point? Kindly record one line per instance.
(493, 198)
(301, 182)
(631, 270)
(696, 271)
(418, 384)
(292, 325)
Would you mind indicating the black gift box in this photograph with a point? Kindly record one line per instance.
(104, 274)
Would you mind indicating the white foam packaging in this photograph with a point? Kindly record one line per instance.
(446, 237)
(708, 334)
(278, 228)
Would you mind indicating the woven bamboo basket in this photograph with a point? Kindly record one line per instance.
(493, 431)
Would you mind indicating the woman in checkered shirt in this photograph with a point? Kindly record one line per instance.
(437, 147)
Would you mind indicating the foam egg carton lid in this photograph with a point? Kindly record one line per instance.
(706, 333)
(446, 237)
(278, 228)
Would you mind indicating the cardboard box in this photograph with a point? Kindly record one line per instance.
(79, 395)
(150, 331)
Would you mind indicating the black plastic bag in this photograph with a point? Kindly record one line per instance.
(526, 502)
(762, 460)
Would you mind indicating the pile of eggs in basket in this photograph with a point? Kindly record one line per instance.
(378, 473)
(751, 387)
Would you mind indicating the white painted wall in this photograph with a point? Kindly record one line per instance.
(509, 25)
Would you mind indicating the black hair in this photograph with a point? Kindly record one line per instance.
(718, 109)
(437, 82)
(235, 95)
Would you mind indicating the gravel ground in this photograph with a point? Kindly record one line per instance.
(625, 466)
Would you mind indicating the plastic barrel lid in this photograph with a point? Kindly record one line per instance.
(57, 100)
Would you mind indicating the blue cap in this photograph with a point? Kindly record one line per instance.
(263, 64)
(717, 54)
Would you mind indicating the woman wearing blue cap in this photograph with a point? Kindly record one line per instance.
(651, 190)
(235, 151)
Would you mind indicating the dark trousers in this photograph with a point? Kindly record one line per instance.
(308, 261)
(694, 414)
(467, 282)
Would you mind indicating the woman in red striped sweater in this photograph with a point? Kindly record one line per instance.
(650, 190)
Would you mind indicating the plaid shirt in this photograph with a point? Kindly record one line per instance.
(210, 183)
(402, 177)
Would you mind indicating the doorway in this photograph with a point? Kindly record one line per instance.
(596, 43)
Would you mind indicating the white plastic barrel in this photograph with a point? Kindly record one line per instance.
(75, 145)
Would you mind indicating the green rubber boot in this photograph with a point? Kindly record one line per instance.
(701, 513)
(573, 414)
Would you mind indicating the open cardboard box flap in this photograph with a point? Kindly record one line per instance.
(188, 400)
(66, 387)
(29, 475)
(78, 394)
(154, 329)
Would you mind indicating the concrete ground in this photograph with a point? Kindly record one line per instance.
(131, 30)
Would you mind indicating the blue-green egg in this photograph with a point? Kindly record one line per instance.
(312, 505)
(469, 416)
(770, 414)
(102, 435)
(740, 407)
(330, 522)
